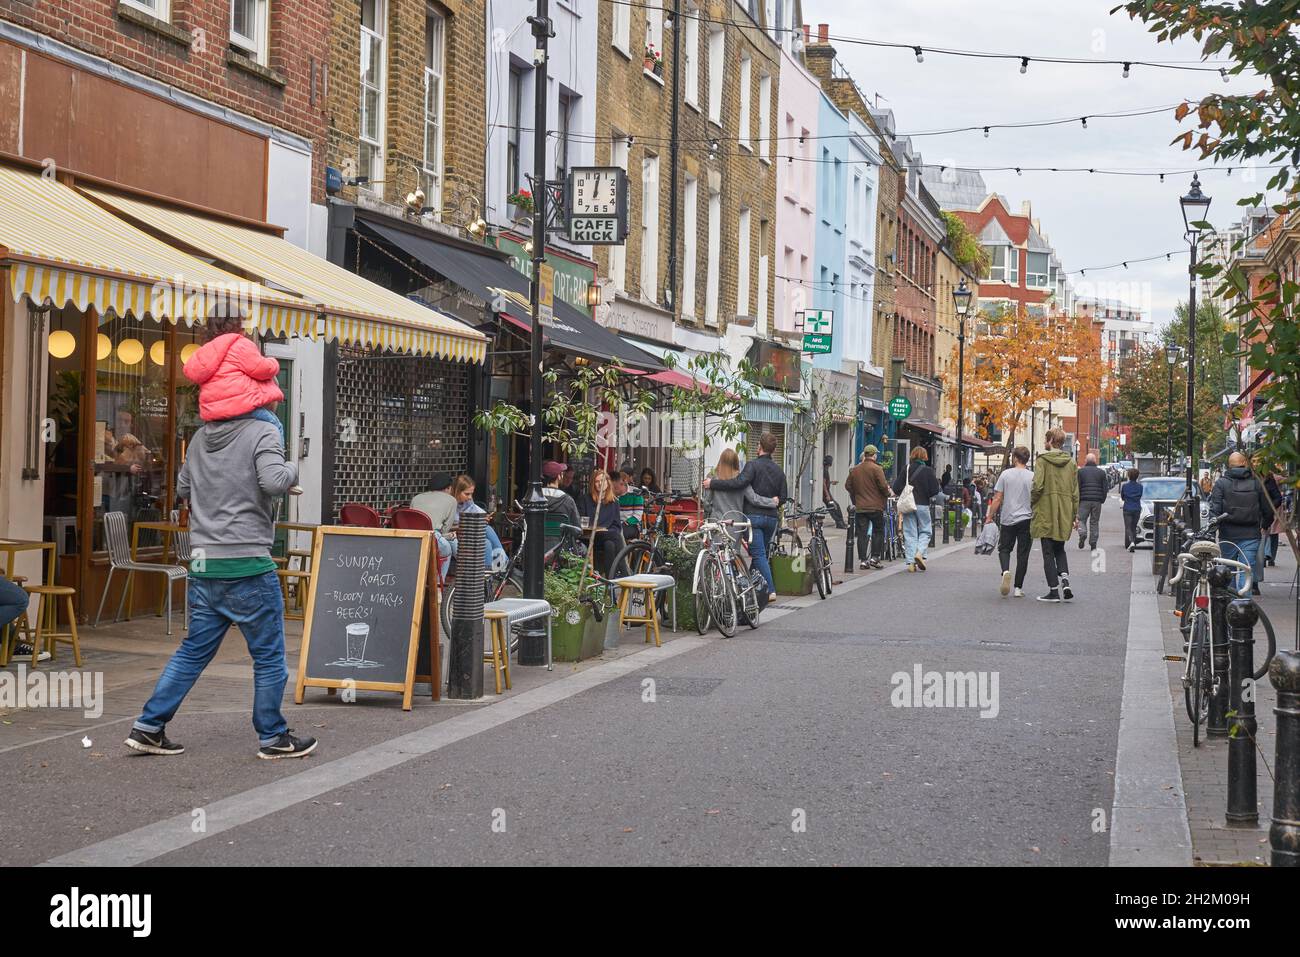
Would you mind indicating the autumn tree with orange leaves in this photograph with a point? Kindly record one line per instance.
(1015, 361)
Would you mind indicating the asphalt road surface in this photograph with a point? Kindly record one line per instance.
(781, 746)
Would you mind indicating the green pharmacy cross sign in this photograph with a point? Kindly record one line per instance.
(900, 407)
(818, 328)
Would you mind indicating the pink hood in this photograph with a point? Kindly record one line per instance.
(233, 377)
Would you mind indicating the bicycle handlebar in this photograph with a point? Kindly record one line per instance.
(1187, 558)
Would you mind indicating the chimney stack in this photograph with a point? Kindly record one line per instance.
(807, 34)
(823, 33)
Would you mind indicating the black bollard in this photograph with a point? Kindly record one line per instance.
(1284, 833)
(947, 526)
(848, 540)
(959, 523)
(1216, 725)
(1243, 803)
(932, 524)
(465, 669)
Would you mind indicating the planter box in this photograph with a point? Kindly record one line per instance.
(787, 580)
(566, 638)
(593, 636)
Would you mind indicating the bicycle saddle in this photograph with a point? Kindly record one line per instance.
(1205, 549)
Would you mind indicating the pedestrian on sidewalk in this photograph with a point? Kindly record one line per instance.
(945, 483)
(1239, 497)
(869, 491)
(722, 505)
(1012, 509)
(1273, 489)
(917, 525)
(1055, 498)
(832, 507)
(234, 473)
(1092, 495)
(768, 480)
(1131, 494)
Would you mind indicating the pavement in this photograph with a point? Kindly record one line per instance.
(800, 742)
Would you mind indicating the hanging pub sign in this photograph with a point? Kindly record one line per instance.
(596, 205)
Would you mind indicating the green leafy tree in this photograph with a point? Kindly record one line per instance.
(1144, 404)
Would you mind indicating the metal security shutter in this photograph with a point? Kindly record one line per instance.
(756, 429)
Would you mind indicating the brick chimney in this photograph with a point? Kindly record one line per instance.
(819, 57)
(823, 33)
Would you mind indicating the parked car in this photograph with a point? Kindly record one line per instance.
(1161, 489)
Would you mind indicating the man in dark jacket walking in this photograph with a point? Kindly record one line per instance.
(767, 479)
(1093, 487)
(869, 490)
(1239, 497)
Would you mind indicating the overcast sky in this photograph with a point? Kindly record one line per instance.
(1092, 220)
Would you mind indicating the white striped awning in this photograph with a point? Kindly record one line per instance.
(65, 250)
(355, 310)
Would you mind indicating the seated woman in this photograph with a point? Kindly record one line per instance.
(463, 491)
(600, 508)
(649, 482)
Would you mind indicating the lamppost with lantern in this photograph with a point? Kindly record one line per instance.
(1195, 206)
(961, 297)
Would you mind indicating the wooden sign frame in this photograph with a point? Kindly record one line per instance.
(413, 644)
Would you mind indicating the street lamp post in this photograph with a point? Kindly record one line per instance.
(531, 646)
(1195, 206)
(1171, 358)
(961, 297)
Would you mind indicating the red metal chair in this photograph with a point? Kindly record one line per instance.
(359, 516)
(411, 518)
(683, 515)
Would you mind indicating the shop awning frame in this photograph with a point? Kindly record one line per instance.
(63, 249)
(352, 309)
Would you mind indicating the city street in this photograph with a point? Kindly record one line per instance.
(746, 740)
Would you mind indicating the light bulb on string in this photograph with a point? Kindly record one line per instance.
(920, 55)
(1224, 73)
(1126, 70)
(986, 132)
(1024, 64)
(1084, 121)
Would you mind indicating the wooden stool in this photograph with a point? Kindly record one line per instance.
(53, 593)
(301, 581)
(647, 586)
(502, 615)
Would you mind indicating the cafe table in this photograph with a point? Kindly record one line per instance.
(167, 530)
(11, 546)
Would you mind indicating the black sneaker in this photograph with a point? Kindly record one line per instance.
(287, 747)
(1066, 593)
(152, 742)
(24, 650)
(864, 565)
(1081, 543)
(876, 563)
(1050, 596)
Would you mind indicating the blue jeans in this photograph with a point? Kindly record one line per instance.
(257, 607)
(916, 533)
(762, 528)
(13, 601)
(491, 546)
(1246, 551)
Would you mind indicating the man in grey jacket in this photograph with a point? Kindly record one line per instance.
(233, 474)
(1093, 488)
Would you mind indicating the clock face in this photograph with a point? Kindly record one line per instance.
(595, 192)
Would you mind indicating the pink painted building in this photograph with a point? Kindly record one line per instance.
(798, 100)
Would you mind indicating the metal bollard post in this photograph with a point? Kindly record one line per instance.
(1284, 833)
(1216, 725)
(849, 538)
(465, 668)
(943, 514)
(932, 523)
(959, 520)
(1243, 804)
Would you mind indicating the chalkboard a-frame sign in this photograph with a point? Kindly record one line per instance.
(364, 610)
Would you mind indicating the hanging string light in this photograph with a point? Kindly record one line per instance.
(920, 56)
(1126, 69)
(1024, 64)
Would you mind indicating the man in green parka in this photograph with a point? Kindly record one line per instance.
(1055, 497)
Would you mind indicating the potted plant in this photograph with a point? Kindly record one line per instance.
(568, 613)
(521, 200)
(654, 60)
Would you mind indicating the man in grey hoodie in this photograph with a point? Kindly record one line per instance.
(233, 474)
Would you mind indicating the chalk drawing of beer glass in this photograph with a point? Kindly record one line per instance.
(357, 636)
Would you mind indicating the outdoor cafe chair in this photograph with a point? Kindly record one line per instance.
(119, 557)
(360, 516)
(410, 518)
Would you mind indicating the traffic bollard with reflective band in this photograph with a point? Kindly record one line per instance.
(1243, 804)
(1284, 833)
(465, 669)
(1216, 725)
(849, 538)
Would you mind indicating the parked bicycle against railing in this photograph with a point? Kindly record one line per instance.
(1201, 680)
(723, 587)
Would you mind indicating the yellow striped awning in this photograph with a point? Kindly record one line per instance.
(63, 249)
(356, 311)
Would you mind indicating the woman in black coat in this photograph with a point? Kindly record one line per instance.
(917, 525)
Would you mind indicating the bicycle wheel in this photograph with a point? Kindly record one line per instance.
(703, 600)
(1195, 698)
(825, 550)
(1272, 642)
(720, 595)
(815, 567)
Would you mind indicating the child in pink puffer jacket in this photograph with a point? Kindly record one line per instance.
(234, 380)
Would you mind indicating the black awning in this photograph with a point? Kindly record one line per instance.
(489, 276)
